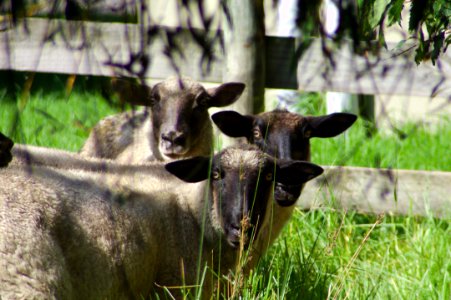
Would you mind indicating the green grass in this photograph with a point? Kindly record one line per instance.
(401, 258)
(321, 254)
(418, 148)
(54, 120)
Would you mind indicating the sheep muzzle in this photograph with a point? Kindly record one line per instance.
(173, 144)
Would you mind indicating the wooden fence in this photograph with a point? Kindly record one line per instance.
(88, 48)
(377, 191)
(92, 48)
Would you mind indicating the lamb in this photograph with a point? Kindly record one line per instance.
(70, 236)
(175, 124)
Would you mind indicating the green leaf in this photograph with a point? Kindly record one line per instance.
(418, 11)
(394, 13)
(438, 44)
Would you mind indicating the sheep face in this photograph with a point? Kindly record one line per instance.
(179, 111)
(241, 186)
(284, 135)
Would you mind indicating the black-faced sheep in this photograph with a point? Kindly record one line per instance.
(283, 134)
(71, 236)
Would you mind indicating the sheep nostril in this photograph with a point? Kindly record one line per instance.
(179, 140)
(173, 137)
(167, 137)
(235, 230)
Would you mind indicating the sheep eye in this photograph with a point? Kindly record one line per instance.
(257, 133)
(154, 98)
(216, 175)
(202, 101)
(269, 177)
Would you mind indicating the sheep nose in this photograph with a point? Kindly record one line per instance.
(236, 230)
(174, 138)
(234, 235)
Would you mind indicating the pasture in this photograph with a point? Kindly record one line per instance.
(321, 254)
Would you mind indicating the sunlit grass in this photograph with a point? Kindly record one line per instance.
(420, 148)
(347, 255)
(54, 120)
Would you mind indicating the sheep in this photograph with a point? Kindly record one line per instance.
(285, 135)
(174, 125)
(66, 235)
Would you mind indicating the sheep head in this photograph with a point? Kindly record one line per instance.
(241, 185)
(284, 135)
(179, 110)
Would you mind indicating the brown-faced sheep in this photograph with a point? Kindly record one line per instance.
(175, 123)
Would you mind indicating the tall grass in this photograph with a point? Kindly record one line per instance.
(321, 254)
(337, 255)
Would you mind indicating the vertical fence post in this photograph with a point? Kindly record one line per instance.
(244, 35)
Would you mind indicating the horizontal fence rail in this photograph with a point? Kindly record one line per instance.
(90, 48)
(376, 191)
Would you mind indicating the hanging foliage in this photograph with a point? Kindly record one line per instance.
(364, 21)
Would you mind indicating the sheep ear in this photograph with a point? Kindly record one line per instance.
(225, 94)
(190, 170)
(233, 124)
(131, 92)
(6, 145)
(295, 172)
(328, 126)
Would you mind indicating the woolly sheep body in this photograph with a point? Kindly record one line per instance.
(113, 134)
(72, 234)
(73, 239)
